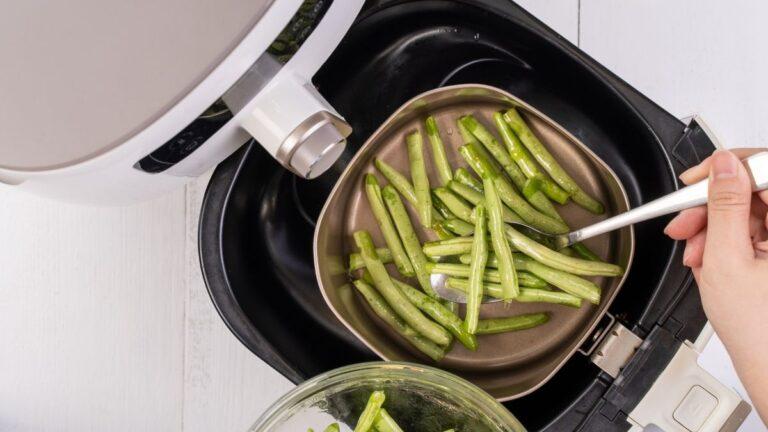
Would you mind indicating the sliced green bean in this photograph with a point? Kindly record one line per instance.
(510, 197)
(565, 281)
(442, 231)
(464, 177)
(538, 200)
(511, 323)
(499, 241)
(408, 237)
(585, 252)
(385, 423)
(559, 261)
(493, 146)
(401, 183)
(455, 204)
(440, 248)
(371, 411)
(476, 270)
(356, 260)
(475, 197)
(396, 299)
(530, 215)
(527, 295)
(389, 316)
(520, 155)
(491, 273)
(532, 185)
(440, 314)
(438, 151)
(387, 227)
(333, 427)
(459, 227)
(419, 177)
(441, 208)
(548, 162)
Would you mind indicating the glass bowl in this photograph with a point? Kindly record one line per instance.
(419, 398)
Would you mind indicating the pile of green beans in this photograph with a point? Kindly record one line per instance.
(376, 418)
(471, 243)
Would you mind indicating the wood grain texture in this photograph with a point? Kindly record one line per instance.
(226, 387)
(91, 315)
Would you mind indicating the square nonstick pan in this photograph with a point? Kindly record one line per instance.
(507, 365)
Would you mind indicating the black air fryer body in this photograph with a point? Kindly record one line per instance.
(258, 220)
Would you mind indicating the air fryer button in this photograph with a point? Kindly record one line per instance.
(183, 144)
(694, 410)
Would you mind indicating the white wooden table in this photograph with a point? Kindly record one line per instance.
(105, 324)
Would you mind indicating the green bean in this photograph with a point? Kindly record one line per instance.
(527, 295)
(498, 151)
(537, 200)
(371, 411)
(459, 227)
(385, 423)
(419, 177)
(464, 177)
(532, 185)
(455, 204)
(475, 197)
(387, 227)
(491, 274)
(512, 323)
(510, 197)
(585, 252)
(438, 151)
(439, 249)
(333, 427)
(442, 231)
(524, 160)
(409, 238)
(567, 282)
(476, 270)
(394, 296)
(396, 179)
(548, 162)
(441, 208)
(559, 261)
(499, 241)
(389, 316)
(440, 314)
(356, 260)
(530, 215)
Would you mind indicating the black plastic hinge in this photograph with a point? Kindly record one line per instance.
(695, 145)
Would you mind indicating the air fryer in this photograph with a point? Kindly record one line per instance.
(257, 220)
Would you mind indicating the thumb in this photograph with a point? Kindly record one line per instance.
(728, 206)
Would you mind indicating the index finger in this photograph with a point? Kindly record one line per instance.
(701, 171)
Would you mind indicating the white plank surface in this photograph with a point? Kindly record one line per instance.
(226, 387)
(91, 315)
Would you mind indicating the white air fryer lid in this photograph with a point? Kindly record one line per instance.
(79, 77)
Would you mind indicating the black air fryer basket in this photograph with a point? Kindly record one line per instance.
(258, 219)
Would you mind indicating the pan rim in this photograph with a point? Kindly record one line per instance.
(606, 302)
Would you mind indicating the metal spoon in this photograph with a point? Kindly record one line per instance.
(687, 197)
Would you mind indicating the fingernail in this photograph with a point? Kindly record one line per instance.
(724, 165)
(686, 257)
(685, 176)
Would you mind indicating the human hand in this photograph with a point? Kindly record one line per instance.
(727, 249)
